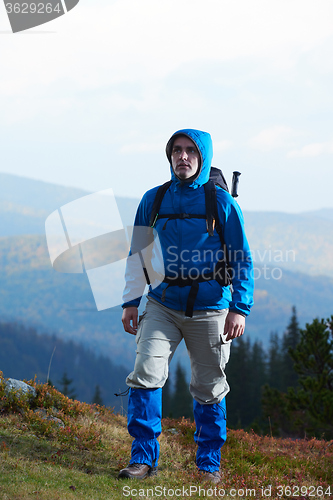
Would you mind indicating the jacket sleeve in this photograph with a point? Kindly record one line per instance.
(134, 275)
(238, 255)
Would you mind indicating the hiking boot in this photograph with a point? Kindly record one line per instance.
(137, 471)
(213, 477)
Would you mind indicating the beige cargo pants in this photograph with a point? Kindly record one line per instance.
(160, 331)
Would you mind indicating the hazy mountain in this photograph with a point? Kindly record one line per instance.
(26, 203)
(323, 213)
(32, 292)
(298, 242)
(293, 256)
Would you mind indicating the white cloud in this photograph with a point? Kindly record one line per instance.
(312, 150)
(143, 147)
(114, 78)
(222, 145)
(99, 48)
(126, 40)
(273, 138)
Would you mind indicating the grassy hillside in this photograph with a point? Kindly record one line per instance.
(80, 454)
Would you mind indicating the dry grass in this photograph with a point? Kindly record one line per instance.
(41, 460)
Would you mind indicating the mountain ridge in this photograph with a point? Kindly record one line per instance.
(33, 292)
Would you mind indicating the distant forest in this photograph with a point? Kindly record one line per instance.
(286, 390)
(74, 369)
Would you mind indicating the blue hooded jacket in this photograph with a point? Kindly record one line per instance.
(187, 248)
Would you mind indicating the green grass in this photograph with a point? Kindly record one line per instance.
(39, 459)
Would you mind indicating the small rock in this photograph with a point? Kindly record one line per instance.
(41, 412)
(173, 430)
(45, 416)
(18, 385)
(57, 421)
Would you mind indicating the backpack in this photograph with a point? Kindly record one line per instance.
(216, 178)
(221, 272)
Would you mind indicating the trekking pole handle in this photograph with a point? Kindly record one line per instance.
(234, 184)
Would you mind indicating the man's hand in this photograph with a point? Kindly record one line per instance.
(130, 315)
(234, 325)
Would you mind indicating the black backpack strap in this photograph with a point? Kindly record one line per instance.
(179, 216)
(227, 271)
(218, 224)
(191, 299)
(182, 216)
(210, 199)
(213, 220)
(220, 274)
(157, 202)
(212, 215)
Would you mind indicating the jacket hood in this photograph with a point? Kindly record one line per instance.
(203, 142)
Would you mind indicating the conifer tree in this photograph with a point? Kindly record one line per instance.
(290, 340)
(274, 368)
(257, 379)
(97, 398)
(281, 375)
(238, 376)
(306, 410)
(166, 400)
(277, 418)
(65, 384)
(313, 358)
(182, 403)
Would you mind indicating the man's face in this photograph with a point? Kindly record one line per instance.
(185, 158)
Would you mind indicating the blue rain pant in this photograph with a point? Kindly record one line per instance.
(210, 434)
(144, 425)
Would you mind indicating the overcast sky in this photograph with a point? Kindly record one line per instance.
(90, 99)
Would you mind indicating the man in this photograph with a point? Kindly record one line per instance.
(202, 310)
